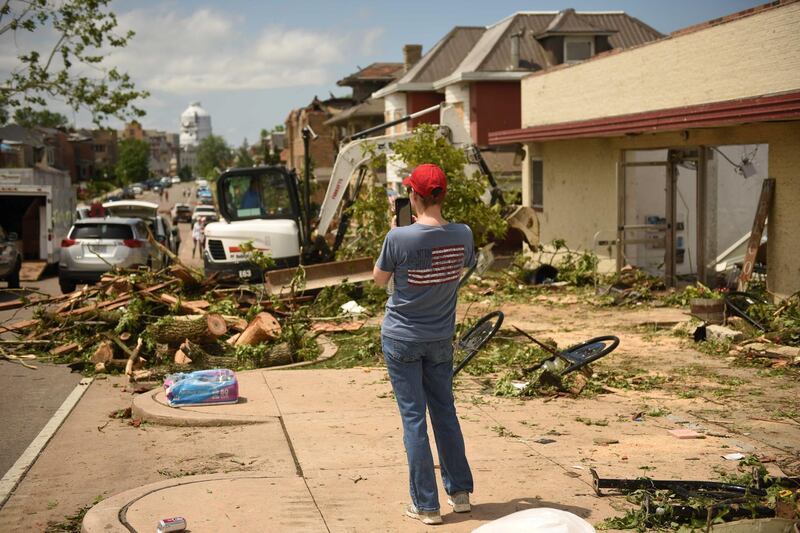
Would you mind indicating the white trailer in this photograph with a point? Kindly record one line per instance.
(38, 204)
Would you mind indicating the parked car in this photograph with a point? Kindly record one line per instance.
(156, 188)
(10, 259)
(206, 211)
(181, 213)
(128, 194)
(152, 182)
(96, 245)
(137, 189)
(166, 182)
(175, 180)
(202, 184)
(160, 227)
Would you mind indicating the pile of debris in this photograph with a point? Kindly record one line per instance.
(147, 324)
(753, 330)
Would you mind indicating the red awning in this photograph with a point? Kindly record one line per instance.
(784, 106)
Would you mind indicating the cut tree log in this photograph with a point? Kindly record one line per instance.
(203, 330)
(104, 352)
(184, 274)
(194, 352)
(181, 358)
(234, 322)
(263, 327)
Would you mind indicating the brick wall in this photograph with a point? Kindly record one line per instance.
(748, 56)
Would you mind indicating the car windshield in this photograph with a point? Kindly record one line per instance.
(263, 194)
(102, 231)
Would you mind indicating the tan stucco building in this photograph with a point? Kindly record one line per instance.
(656, 153)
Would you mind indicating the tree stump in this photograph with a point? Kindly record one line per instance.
(203, 330)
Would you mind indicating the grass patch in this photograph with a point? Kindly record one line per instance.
(359, 349)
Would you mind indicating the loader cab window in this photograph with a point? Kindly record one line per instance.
(259, 195)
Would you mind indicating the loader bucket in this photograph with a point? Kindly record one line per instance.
(321, 275)
(524, 220)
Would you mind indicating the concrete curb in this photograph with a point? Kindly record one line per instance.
(107, 516)
(149, 408)
(152, 406)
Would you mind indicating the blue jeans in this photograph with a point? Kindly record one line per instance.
(422, 376)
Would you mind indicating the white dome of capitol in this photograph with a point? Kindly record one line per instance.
(194, 109)
(195, 125)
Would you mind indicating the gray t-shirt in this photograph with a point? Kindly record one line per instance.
(427, 262)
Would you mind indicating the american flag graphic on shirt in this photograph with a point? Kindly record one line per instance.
(445, 263)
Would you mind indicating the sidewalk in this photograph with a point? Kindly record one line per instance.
(321, 450)
(337, 464)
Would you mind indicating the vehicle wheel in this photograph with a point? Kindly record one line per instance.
(13, 279)
(478, 335)
(584, 353)
(66, 286)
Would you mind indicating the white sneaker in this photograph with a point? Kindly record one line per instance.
(430, 518)
(460, 502)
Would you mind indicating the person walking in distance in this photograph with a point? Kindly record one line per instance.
(197, 236)
(426, 260)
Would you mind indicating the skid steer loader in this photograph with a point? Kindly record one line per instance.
(265, 207)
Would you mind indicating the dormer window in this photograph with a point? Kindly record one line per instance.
(577, 49)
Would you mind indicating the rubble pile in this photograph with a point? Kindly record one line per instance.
(147, 324)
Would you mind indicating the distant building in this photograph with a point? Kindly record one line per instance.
(104, 146)
(195, 126)
(367, 112)
(324, 148)
(163, 146)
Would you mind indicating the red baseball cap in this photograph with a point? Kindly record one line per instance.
(425, 179)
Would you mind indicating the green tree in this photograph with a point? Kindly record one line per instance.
(243, 157)
(185, 173)
(29, 117)
(71, 69)
(463, 201)
(132, 161)
(213, 156)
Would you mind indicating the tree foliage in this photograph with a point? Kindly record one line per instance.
(213, 156)
(463, 201)
(243, 157)
(132, 161)
(83, 31)
(29, 117)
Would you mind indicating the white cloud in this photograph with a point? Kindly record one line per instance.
(208, 51)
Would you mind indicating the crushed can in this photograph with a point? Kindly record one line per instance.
(176, 523)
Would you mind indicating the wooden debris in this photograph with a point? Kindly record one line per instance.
(205, 329)
(332, 327)
(263, 327)
(134, 361)
(104, 353)
(65, 349)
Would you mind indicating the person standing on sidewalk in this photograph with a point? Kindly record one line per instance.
(426, 260)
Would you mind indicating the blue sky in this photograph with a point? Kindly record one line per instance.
(251, 62)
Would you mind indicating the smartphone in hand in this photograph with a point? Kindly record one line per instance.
(402, 210)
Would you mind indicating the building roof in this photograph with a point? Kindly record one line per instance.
(14, 133)
(568, 21)
(373, 72)
(438, 62)
(490, 58)
(373, 107)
